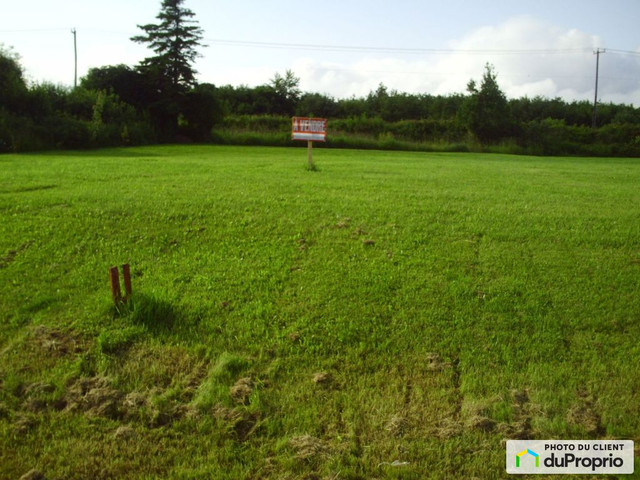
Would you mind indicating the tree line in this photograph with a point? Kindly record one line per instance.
(159, 100)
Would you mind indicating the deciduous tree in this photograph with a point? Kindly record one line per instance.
(12, 85)
(287, 93)
(130, 85)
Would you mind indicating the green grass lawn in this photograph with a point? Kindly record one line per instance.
(392, 315)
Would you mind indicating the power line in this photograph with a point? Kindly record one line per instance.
(32, 30)
(397, 50)
(626, 52)
(358, 48)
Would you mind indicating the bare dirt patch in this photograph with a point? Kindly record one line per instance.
(95, 397)
(323, 379)
(241, 390)
(344, 223)
(22, 424)
(523, 410)
(397, 425)
(307, 447)
(134, 401)
(57, 342)
(241, 423)
(435, 363)
(480, 422)
(33, 475)
(584, 414)
(124, 433)
(36, 396)
(448, 428)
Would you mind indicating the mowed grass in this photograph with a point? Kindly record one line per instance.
(392, 315)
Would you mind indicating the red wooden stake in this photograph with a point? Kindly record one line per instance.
(126, 273)
(115, 285)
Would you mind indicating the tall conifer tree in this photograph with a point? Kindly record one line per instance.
(486, 110)
(169, 74)
(174, 40)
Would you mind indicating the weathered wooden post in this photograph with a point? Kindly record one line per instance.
(116, 293)
(310, 155)
(114, 278)
(126, 274)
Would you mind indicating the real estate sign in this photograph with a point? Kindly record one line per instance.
(310, 129)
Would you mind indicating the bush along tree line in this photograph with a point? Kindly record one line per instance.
(160, 101)
(482, 119)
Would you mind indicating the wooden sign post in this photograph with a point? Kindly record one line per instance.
(310, 155)
(311, 130)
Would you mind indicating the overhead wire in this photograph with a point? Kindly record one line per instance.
(362, 48)
(396, 50)
(371, 49)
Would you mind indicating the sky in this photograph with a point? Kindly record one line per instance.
(346, 48)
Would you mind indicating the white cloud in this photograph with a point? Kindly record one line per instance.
(542, 88)
(531, 57)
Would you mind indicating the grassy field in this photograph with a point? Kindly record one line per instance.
(392, 315)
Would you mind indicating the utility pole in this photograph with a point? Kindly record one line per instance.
(75, 59)
(595, 100)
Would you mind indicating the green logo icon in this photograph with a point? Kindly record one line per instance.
(530, 452)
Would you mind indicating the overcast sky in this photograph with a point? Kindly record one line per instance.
(348, 47)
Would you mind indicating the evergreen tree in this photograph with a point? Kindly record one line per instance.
(169, 74)
(486, 110)
(175, 41)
